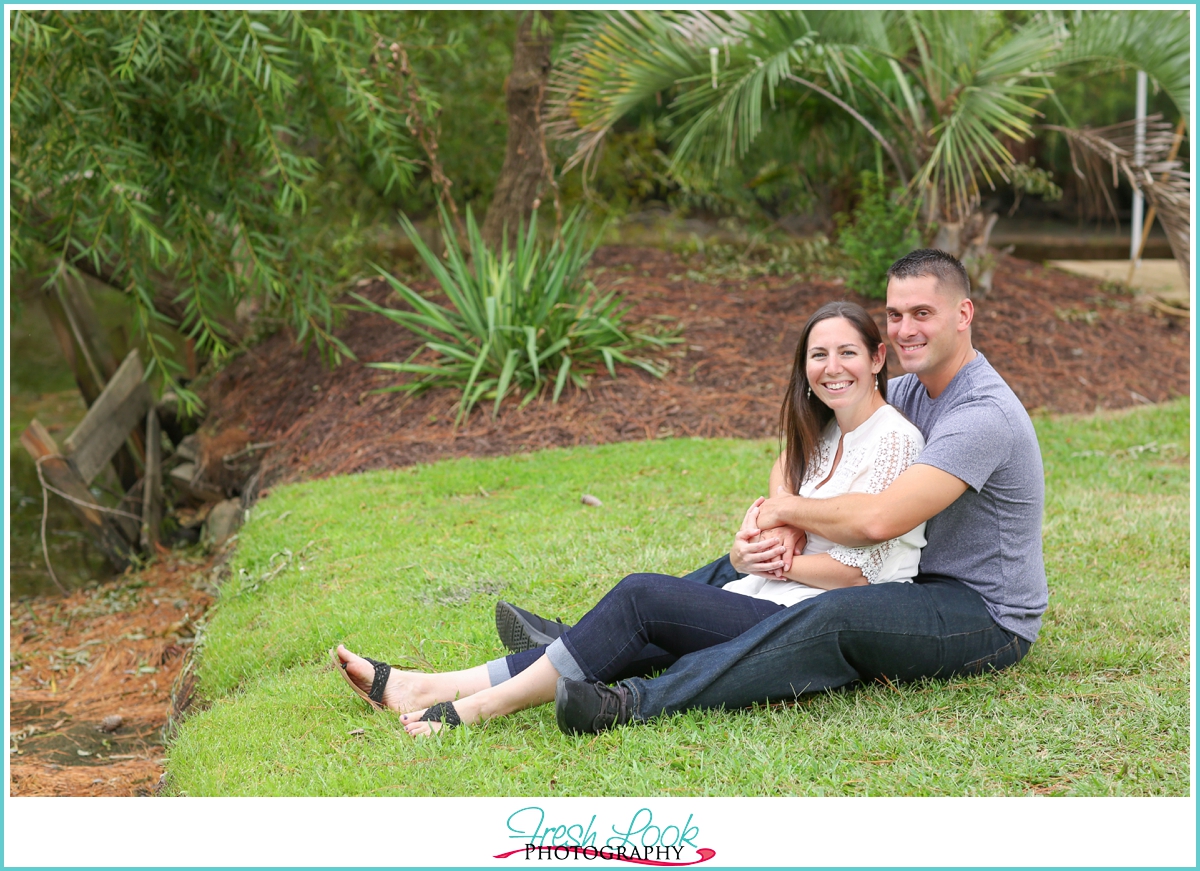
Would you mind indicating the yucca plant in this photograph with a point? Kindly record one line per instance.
(517, 321)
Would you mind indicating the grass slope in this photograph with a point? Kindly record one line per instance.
(407, 564)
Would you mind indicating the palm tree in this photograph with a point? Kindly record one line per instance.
(940, 91)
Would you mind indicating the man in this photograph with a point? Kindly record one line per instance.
(978, 600)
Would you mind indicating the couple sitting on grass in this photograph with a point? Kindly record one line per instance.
(827, 583)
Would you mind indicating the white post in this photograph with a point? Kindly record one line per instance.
(1139, 158)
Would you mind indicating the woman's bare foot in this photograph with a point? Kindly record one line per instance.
(468, 714)
(409, 690)
(533, 686)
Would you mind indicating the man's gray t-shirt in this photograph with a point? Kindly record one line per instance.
(990, 538)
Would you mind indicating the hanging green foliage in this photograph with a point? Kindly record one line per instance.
(174, 155)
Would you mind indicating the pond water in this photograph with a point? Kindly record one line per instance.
(40, 385)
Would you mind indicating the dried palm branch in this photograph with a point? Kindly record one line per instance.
(1110, 152)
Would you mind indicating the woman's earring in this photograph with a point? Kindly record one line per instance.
(810, 391)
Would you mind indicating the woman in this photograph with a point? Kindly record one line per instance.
(842, 436)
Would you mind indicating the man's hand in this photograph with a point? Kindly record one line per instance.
(776, 511)
(753, 553)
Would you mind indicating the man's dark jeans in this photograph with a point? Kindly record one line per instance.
(934, 627)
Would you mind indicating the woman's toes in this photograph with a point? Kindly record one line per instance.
(361, 671)
(414, 725)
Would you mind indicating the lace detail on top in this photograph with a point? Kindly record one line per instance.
(819, 467)
(868, 560)
(896, 451)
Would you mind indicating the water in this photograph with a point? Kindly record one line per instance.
(41, 386)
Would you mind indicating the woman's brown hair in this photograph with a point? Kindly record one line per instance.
(804, 416)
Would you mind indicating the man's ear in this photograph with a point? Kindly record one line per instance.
(966, 313)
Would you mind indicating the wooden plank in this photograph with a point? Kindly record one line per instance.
(121, 406)
(79, 307)
(61, 475)
(152, 495)
(62, 331)
(60, 311)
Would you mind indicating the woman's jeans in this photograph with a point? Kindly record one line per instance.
(934, 627)
(646, 622)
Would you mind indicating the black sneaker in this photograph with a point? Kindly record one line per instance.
(580, 706)
(520, 630)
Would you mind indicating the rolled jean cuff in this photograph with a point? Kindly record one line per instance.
(562, 660)
(497, 670)
(634, 699)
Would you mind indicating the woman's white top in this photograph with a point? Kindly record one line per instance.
(873, 454)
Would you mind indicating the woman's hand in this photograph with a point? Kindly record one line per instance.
(793, 541)
(753, 553)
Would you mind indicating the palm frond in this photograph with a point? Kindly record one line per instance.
(1163, 182)
(1155, 41)
(977, 81)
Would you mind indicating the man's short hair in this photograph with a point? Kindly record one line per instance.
(949, 272)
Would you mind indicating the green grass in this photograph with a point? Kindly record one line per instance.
(407, 565)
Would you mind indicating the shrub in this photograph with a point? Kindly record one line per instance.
(516, 321)
(880, 231)
(741, 261)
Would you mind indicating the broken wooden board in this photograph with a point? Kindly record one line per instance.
(60, 474)
(121, 406)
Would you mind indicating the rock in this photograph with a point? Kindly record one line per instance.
(223, 521)
(187, 481)
(111, 723)
(189, 449)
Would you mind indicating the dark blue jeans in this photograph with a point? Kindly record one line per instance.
(647, 621)
(934, 627)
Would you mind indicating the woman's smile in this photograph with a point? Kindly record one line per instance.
(842, 370)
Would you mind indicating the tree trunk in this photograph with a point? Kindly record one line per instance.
(968, 241)
(527, 165)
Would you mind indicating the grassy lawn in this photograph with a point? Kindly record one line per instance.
(406, 565)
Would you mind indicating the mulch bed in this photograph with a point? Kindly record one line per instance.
(1064, 343)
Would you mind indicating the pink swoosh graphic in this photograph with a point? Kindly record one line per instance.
(705, 855)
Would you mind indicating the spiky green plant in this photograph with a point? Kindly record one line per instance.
(517, 320)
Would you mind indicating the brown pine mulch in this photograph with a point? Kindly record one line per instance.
(1064, 343)
(111, 651)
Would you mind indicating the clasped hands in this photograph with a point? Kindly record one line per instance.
(766, 552)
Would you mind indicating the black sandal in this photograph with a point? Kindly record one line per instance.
(442, 712)
(375, 697)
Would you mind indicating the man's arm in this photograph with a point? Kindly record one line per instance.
(859, 519)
